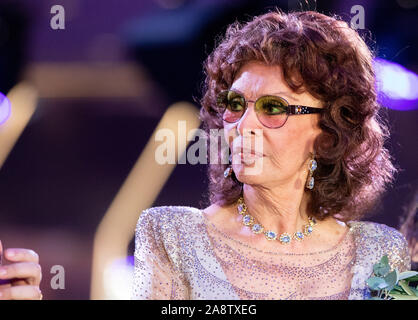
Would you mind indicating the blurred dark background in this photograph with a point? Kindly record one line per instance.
(105, 81)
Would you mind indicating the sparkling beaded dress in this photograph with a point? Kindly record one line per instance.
(179, 254)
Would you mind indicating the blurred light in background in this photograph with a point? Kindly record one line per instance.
(24, 98)
(119, 275)
(5, 108)
(396, 82)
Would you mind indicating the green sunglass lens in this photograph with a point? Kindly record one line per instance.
(271, 106)
(233, 105)
(272, 111)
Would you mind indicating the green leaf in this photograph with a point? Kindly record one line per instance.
(407, 289)
(376, 283)
(382, 268)
(402, 296)
(397, 289)
(408, 274)
(413, 278)
(384, 260)
(391, 279)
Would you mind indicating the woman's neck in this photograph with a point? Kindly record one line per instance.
(281, 208)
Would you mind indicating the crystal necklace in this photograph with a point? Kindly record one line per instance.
(257, 228)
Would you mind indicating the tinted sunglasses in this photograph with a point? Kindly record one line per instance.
(272, 111)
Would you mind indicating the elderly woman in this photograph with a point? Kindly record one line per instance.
(303, 83)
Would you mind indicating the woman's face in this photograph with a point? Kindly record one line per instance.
(285, 150)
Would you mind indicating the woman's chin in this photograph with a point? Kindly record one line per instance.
(249, 173)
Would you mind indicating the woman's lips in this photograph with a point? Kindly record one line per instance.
(248, 152)
(247, 156)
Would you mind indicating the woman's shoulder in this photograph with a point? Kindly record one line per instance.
(169, 216)
(380, 239)
(377, 231)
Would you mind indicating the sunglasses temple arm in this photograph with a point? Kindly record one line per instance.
(294, 109)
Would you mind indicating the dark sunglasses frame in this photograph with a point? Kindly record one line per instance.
(290, 108)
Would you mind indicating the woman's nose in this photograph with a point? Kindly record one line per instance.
(249, 121)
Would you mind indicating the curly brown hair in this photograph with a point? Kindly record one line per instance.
(324, 56)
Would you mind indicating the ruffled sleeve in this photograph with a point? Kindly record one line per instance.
(398, 252)
(155, 275)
